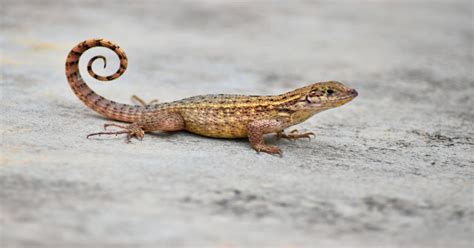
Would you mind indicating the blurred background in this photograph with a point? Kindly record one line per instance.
(392, 168)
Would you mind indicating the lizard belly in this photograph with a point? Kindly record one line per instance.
(215, 124)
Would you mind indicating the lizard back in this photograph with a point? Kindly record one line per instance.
(227, 116)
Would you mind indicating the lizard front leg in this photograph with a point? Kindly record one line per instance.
(258, 128)
(158, 122)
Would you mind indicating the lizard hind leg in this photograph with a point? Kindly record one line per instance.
(132, 130)
(160, 122)
(142, 102)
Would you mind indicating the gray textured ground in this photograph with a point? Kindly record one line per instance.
(393, 168)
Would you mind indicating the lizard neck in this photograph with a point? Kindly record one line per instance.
(291, 105)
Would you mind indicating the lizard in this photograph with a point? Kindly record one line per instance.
(214, 115)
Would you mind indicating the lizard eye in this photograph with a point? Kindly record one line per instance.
(308, 99)
(330, 92)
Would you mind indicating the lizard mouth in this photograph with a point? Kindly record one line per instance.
(343, 99)
(351, 94)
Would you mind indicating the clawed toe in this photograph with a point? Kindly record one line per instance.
(114, 125)
(106, 133)
(269, 149)
(294, 135)
(142, 102)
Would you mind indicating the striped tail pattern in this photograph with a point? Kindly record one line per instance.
(107, 108)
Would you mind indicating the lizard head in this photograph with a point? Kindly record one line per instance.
(325, 95)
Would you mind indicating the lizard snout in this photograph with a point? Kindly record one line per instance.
(353, 92)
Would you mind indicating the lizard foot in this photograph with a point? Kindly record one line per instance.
(294, 135)
(142, 102)
(132, 130)
(268, 149)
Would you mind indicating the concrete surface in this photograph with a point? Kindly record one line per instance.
(394, 168)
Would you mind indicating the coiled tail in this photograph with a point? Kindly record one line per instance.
(107, 108)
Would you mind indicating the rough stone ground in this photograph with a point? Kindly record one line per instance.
(394, 168)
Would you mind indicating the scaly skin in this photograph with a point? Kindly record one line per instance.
(219, 116)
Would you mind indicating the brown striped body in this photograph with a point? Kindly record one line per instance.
(227, 116)
(219, 115)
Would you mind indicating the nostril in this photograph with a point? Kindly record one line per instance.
(354, 92)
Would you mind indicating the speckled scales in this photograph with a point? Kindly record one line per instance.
(218, 115)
